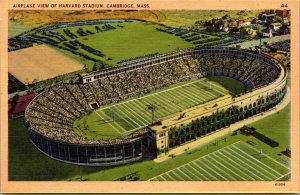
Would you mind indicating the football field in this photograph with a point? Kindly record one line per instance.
(124, 117)
(236, 162)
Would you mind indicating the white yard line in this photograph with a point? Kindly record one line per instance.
(187, 169)
(282, 176)
(190, 179)
(230, 170)
(258, 161)
(163, 103)
(163, 179)
(199, 167)
(210, 93)
(110, 123)
(251, 170)
(181, 179)
(265, 155)
(173, 179)
(222, 88)
(134, 113)
(185, 98)
(202, 162)
(197, 172)
(236, 164)
(174, 105)
(145, 96)
(254, 167)
(200, 94)
(130, 121)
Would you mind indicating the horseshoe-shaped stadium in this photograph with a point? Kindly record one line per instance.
(50, 117)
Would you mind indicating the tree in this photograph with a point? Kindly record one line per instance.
(95, 67)
(277, 19)
(259, 28)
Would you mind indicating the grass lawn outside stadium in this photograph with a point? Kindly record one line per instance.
(27, 163)
(133, 39)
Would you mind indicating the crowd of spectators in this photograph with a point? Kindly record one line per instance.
(53, 112)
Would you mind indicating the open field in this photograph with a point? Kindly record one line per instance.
(236, 162)
(16, 28)
(128, 40)
(119, 119)
(39, 63)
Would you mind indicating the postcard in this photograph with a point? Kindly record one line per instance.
(149, 96)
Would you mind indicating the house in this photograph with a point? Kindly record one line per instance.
(226, 18)
(276, 26)
(283, 13)
(17, 105)
(248, 31)
(244, 22)
(267, 33)
(225, 29)
(284, 30)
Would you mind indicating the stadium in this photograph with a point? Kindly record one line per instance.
(59, 118)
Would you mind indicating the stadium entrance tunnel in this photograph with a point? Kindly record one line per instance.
(49, 118)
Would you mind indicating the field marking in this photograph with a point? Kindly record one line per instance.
(144, 96)
(205, 171)
(202, 93)
(252, 168)
(238, 165)
(187, 173)
(213, 161)
(173, 179)
(169, 98)
(283, 176)
(149, 101)
(211, 94)
(177, 176)
(124, 119)
(133, 113)
(163, 179)
(110, 123)
(185, 96)
(117, 124)
(164, 105)
(258, 161)
(198, 165)
(200, 162)
(197, 172)
(226, 167)
(189, 178)
(169, 108)
(267, 156)
(137, 112)
(220, 87)
(188, 170)
(193, 160)
(197, 93)
(254, 164)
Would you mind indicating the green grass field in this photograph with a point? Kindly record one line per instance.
(120, 119)
(236, 162)
(16, 28)
(26, 163)
(133, 39)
